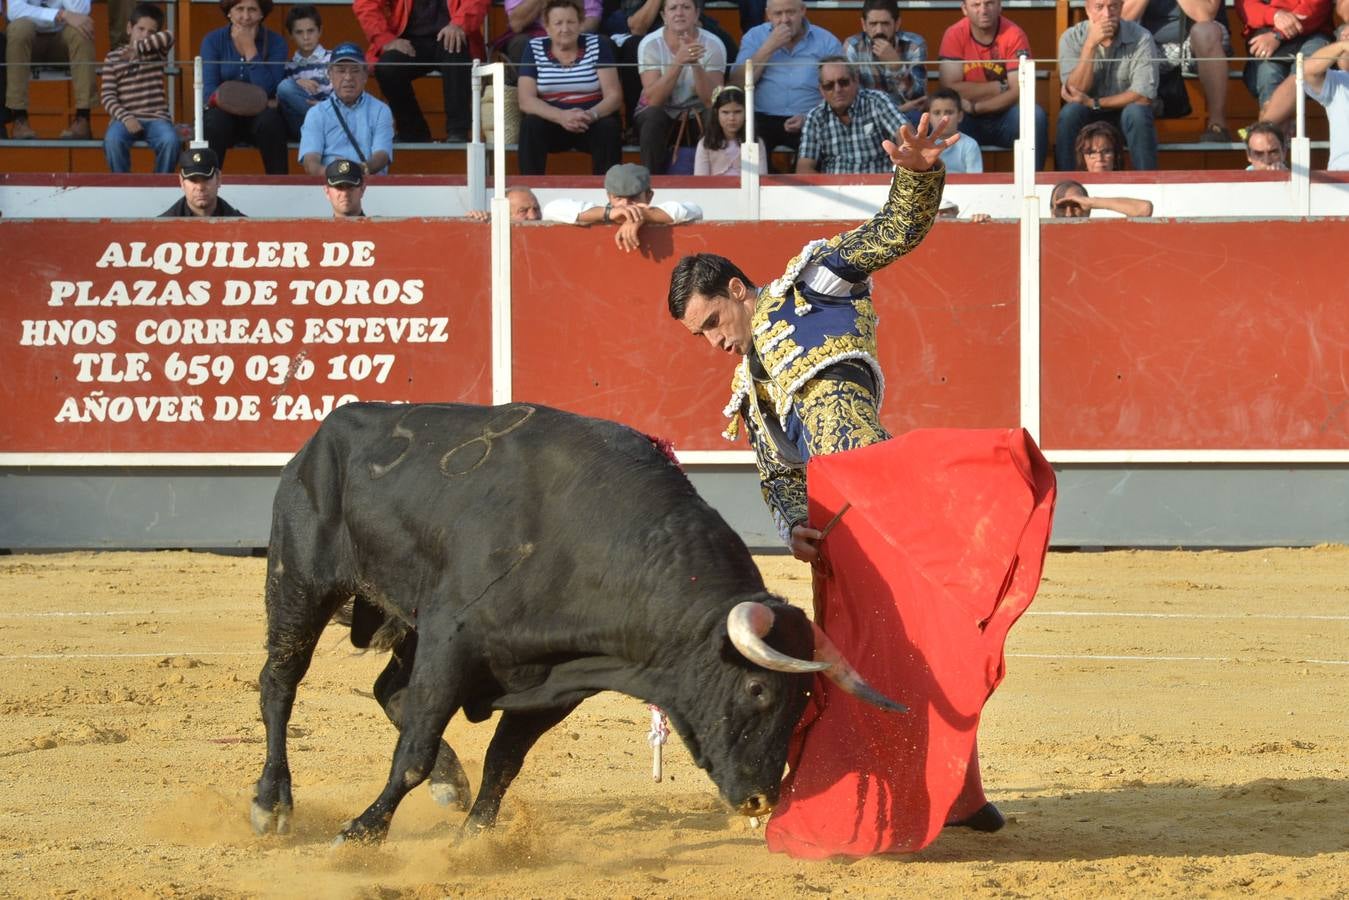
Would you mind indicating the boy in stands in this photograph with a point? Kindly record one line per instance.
(306, 82)
(133, 93)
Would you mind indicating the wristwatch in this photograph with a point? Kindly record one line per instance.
(1096, 104)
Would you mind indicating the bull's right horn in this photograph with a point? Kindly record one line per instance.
(747, 624)
(846, 677)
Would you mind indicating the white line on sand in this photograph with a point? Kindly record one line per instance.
(160, 654)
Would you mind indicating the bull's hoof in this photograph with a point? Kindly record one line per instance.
(356, 833)
(986, 818)
(265, 820)
(446, 794)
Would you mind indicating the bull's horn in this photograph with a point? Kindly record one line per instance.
(747, 624)
(841, 672)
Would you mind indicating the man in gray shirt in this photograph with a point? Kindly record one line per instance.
(1109, 70)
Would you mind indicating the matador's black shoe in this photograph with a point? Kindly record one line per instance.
(985, 818)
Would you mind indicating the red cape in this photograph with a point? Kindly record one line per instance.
(939, 554)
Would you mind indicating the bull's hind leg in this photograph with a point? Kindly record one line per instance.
(516, 733)
(432, 696)
(449, 784)
(296, 616)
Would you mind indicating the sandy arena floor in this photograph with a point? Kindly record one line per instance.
(1172, 724)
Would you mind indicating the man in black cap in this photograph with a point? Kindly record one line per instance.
(628, 186)
(199, 176)
(345, 187)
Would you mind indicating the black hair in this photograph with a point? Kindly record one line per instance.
(944, 93)
(146, 11)
(702, 273)
(713, 136)
(303, 11)
(889, 6)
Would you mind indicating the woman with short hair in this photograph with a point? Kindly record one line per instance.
(680, 65)
(245, 51)
(1099, 148)
(569, 94)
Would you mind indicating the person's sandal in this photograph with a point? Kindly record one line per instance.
(1215, 134)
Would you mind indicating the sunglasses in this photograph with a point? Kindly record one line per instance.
(837, 82)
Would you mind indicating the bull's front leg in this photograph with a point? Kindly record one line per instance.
(432, 696)
(449, 783)
(295, 620)
(516, 733)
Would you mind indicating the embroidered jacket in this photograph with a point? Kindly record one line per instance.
(816, 315)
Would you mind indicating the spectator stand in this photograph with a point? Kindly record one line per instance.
(1043, 21)
(1177, 148)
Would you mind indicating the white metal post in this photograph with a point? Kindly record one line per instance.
(199, 106)
(1300, 157)
(1023, 148)
(1029, 269)
(477, 150)
(751, 162)
(502, 390)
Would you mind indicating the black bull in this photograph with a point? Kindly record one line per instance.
(522, 559)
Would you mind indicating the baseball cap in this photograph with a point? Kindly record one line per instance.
(347, 51)
(344, 172)
(198, 162)
(627, 180)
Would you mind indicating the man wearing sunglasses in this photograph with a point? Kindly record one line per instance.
(844, 133)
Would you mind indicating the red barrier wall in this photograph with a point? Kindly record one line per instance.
(1207, 335)
(1155, 335)
(592, 333)
(105, 350)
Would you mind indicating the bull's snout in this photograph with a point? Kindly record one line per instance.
(757, 805)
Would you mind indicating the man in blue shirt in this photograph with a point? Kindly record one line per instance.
(786, 52)
(350, 124)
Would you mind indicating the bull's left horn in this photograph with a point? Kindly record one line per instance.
(747, 624)
(841, 672)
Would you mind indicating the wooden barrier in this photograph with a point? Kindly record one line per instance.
(126, 338)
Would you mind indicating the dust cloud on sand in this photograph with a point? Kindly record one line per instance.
(1171, 724)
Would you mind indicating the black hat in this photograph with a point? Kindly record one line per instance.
(198, 162)
(344, 172)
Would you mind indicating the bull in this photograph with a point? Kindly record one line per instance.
(522, 559)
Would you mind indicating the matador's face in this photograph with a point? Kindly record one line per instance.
(723, 320)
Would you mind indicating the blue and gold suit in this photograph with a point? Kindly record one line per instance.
(811, 383)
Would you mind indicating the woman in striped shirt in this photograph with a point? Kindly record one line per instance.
(569, 94)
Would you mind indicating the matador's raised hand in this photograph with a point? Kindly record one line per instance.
(918, 149)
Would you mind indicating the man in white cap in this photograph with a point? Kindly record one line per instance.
(628, 187)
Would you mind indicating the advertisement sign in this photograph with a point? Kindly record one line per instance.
(232, 336)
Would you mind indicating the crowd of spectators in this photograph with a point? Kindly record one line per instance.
(592, 75)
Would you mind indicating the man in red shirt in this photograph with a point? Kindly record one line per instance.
(979, 58)
(1276, 31)
(422, 36)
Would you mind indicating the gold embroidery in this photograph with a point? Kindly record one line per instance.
(835, 415)
(901, 224)
(839, 415)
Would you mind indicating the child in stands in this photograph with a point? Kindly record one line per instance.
(943, 107)
(306, 82)
(133, 93)
(718, 151)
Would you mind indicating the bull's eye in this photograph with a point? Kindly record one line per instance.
(757, 690)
